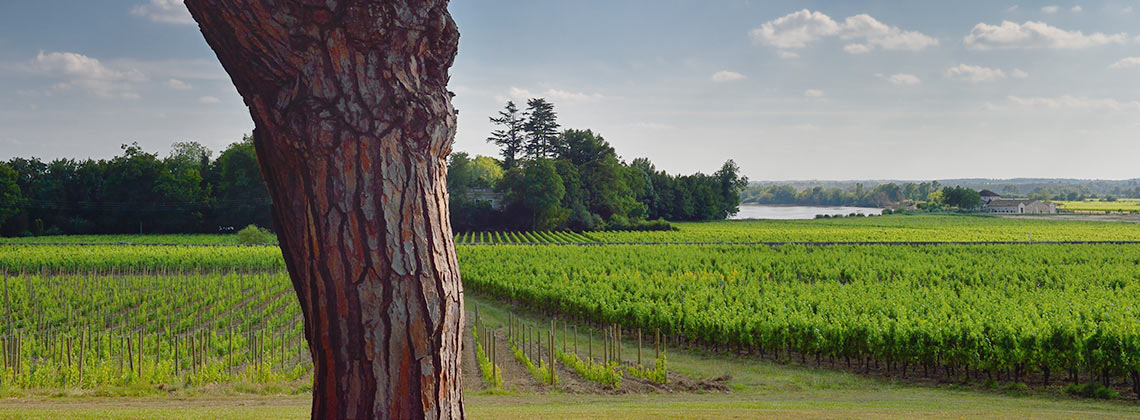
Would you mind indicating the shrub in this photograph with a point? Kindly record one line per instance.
(1093, 390)
(618, 223)
(253, 235)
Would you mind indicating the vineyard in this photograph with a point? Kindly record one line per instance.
(921, 228)
(548, 237)
(90, 316)
(1120, 205)
(1036, 313)
(140, 328)
(896, 228)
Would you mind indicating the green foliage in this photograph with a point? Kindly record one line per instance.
(105, 258)
(541, 129)
(10, 196)
(1092, 390)
(882, 195)
(541, 371)
(538, 190)
(254, 235)
(894, 228)
(488, 370)
(608, 375)
(135, 191)
(962, 198)
(510, 137)
(642, 226)
(988, 307)
(547, 237)
(189, 327)
(599, 190)
(658, 374)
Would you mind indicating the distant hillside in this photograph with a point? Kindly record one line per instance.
(1049, 187)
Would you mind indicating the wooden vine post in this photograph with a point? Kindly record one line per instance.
(353, 125)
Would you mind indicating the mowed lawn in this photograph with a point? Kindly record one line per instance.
(902, 403)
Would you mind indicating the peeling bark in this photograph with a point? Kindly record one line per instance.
(353, 126)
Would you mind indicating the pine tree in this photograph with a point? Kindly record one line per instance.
(510, 137)
(542, 129)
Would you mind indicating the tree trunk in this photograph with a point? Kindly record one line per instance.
(353, 125)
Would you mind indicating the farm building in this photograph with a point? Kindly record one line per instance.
(992, 203)
(988, 196)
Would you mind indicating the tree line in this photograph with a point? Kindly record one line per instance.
(882, 195)
(551, 179)
(184, 192)
(922, 195)
(545, 179)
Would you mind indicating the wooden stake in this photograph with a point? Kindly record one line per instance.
(82, 347)
(552, 330)
(575, 340)
(130, 359)
(140, 354)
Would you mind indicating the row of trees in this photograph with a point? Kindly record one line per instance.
(924, 195)
(547, 179)
(882, 195)
(184, 192)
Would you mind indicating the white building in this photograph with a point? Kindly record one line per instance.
(992, 203)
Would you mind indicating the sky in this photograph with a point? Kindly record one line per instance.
(789, 90)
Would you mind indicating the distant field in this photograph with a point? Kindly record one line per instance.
(896, 228)
(1120, 205)
(189, 239)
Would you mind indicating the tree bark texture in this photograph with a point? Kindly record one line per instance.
(353, 126)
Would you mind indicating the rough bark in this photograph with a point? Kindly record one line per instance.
(353, 125)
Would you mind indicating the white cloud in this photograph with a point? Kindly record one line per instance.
(1050, 9)
(727, 76)
(1126, 63)
(813, 93)
(573, 96)
(1010, 35)
(1076, 9)
(82, 66)
(904, 79)
(1018, 74)
(797, 29)
(1010, 9)
(164, 11)
(178, 84)
(87, 73)
(856, 48)
(553, 94)
(209, 100)
(1068, 102)
(978, 74)
(788, 54)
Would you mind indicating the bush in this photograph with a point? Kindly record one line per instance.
(253, 235)
(619, 223)
(1093, 390)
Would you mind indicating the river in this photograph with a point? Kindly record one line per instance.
(753, 211)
